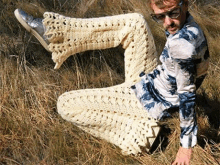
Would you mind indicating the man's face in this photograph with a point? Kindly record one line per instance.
(172, 25)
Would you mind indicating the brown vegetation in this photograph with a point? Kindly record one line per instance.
(32, 132)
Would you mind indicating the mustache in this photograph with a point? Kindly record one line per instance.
(171, 25)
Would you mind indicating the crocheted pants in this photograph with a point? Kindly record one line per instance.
(112, 113)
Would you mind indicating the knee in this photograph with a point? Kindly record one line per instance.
(138, 22)
(62, 104)
(139, 17)
(70, 104)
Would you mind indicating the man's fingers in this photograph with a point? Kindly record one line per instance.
(177, 162)
(180, 163)
(174, 163)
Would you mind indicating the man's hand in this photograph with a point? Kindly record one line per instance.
(183, 156)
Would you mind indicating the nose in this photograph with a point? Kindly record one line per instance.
(168, 21)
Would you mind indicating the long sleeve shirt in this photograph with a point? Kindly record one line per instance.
(184, 64)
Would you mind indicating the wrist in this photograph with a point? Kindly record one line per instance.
(185, 151)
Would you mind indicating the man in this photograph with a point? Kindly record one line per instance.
(187, 51)
(158, 88)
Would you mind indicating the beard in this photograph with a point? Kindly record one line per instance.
(172, 28)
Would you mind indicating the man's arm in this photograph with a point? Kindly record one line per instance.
(182, 51)
(185, 71)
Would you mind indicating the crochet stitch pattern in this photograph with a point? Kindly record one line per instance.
(113, 113)
(68, 36)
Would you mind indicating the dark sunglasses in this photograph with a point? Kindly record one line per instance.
(175, 13)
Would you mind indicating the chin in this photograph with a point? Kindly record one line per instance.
(173, 31)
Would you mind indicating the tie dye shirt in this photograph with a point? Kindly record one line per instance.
(174, 82)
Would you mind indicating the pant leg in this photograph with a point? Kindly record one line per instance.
(68, 36)
(113, 114)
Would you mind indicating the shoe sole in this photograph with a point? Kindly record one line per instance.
(32, 31)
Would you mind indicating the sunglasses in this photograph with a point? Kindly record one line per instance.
(175, 13)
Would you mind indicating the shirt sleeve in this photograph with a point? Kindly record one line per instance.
(185, 72)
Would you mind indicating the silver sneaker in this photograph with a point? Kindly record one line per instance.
(33, 25)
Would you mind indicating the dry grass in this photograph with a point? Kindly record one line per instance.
(31, 131)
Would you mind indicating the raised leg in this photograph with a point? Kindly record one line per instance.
(68, 36)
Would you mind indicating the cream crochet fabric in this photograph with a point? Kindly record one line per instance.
(69, 36)
(112, 113)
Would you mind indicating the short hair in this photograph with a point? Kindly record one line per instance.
(160, 3)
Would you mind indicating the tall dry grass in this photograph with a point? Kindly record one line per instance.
(32, 132)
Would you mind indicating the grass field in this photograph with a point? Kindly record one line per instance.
(31, 130)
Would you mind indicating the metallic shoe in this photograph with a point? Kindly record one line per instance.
(33, 25)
